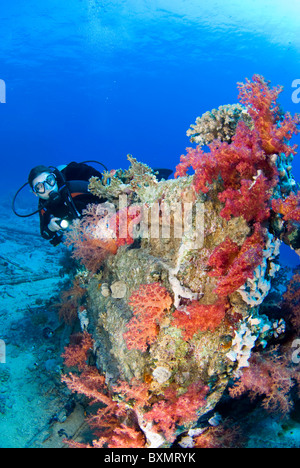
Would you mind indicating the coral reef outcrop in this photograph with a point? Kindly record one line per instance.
(173, 304)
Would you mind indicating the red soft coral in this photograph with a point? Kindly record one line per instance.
(126, 437)
(235, 265)
(123, 224)
(91, 384)
(135, 392)
(241, 269)
(222, 257)
(76, 353)
(246, 174)
(175, 410)
(149, 304)
(232, 162)
(274, 128)
(288, 208)
(112, 422)
(251, 201)
(70, 302)
(244, 167)
(225, 435)
(199, 317)
(91, 239)
(269, 376)
(204, 165)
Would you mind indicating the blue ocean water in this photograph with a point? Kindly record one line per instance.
(98, 79)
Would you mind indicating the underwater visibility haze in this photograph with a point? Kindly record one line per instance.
(171, 303)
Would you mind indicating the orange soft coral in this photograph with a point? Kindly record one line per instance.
(149, 304)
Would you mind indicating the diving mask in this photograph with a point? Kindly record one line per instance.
(40, 187)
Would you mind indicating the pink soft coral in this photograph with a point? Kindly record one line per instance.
(113, 422)
(149, 304)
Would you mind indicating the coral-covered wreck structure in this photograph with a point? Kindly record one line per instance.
(174, 273)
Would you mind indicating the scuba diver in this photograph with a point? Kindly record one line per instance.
(63, 195)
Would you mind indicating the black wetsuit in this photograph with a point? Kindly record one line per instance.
(72, 198)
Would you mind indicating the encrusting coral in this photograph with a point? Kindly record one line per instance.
(174, 291)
